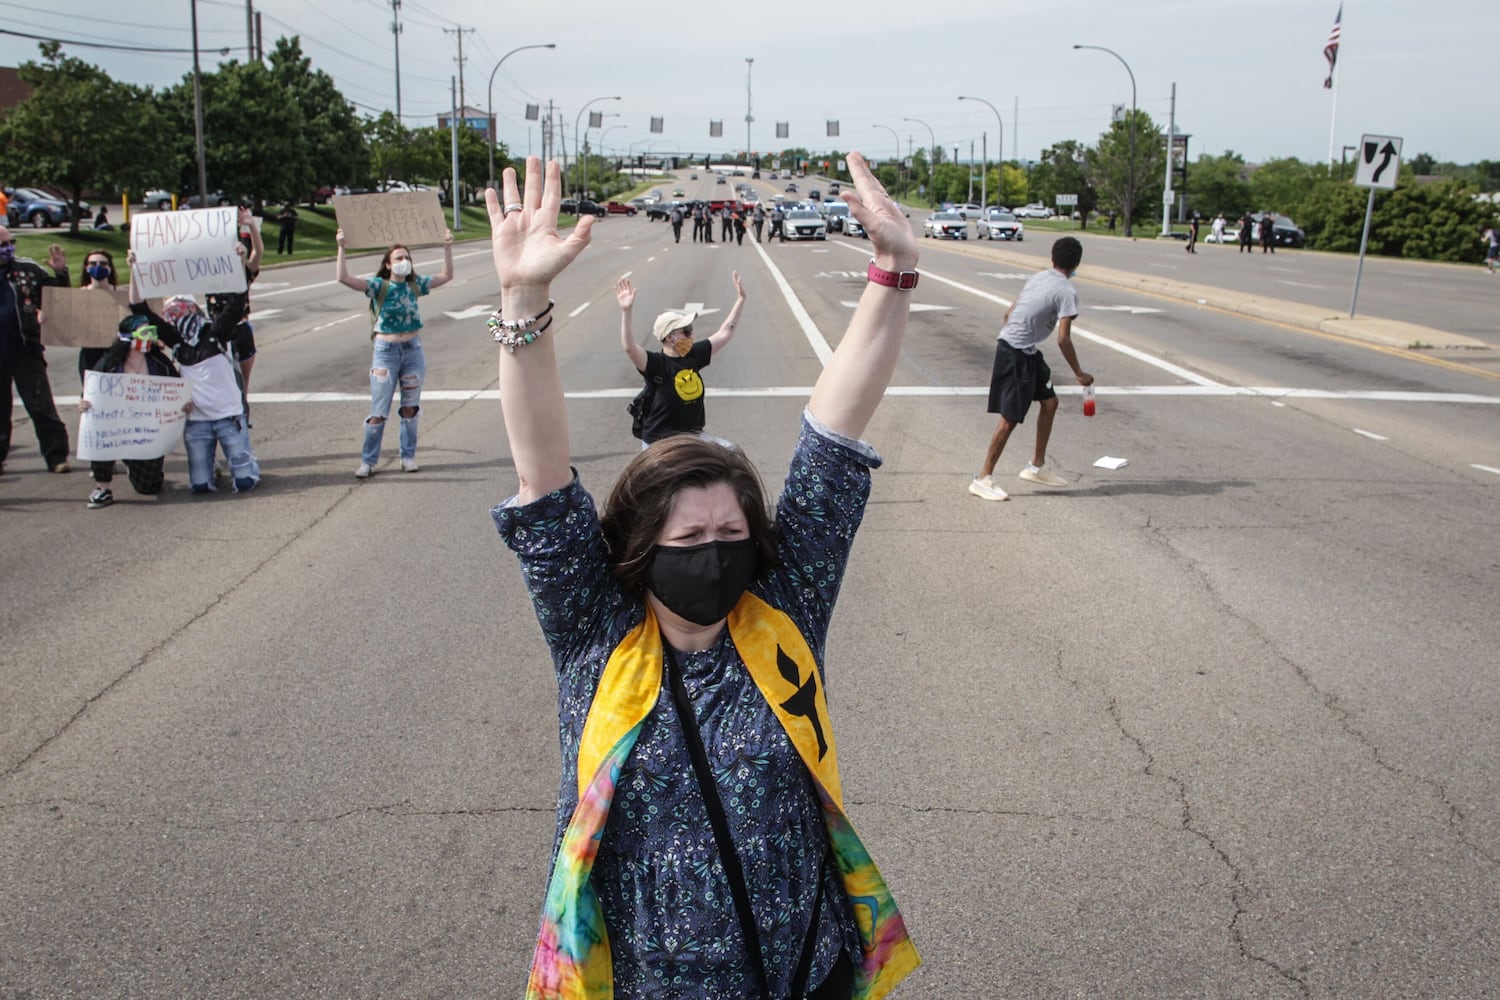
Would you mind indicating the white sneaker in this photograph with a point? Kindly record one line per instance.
(1041, 477)
(364, 471)
(984, 488)
(409, 465)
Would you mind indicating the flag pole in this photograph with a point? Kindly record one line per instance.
(1332, 121)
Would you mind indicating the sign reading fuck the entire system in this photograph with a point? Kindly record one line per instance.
(185, 253)
(131, 416)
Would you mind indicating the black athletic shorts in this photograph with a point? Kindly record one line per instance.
(244, 342)
(1017, 379)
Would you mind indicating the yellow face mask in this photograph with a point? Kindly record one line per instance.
(684, 344)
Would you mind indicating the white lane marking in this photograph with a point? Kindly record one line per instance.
(751, 392)
(1486, 468)
(580, 309)
(258, 295)
(470, 312)
(1166, 267)
(336, 322)
(916, 307)
(651, 258)
(809, 328)
(629, 273)
(1165, 366)
(261, 314)
(1133, 310)
(1370, 434)
(1003, 275)
(1299, 284)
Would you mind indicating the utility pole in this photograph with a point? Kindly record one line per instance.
(749, 66)
(453, 197)
(1166, 194)
(459, 31)
(249, 31)
(198, 114)
(1015, 134)
(396, 34)
(984, 170)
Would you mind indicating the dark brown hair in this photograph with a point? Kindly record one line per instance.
(108, 259)
(385, 264)
(642, 498)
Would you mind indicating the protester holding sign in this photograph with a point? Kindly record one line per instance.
(203, 349)
(250, 250)
(138, 351)
(393, 291)
(99, 275)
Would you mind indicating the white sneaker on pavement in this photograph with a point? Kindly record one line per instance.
(985, 488)
(409, 465)
(364, 471)
(1042, 477)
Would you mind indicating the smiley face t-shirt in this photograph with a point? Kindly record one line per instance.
(677, 403)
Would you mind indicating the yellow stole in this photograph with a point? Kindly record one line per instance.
(572, 960)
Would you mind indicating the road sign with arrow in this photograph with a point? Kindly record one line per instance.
(1378, 163)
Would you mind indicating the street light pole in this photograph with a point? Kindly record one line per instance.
(198, 116)
(577, 149)
(491, 106)
(749, 66)
(932, 163)
(1130, 175)
(999, 145)
(898, 147)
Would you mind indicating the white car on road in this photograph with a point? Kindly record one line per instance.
(804, 224)
(946, 225)
(1036, 210)
(998, 224)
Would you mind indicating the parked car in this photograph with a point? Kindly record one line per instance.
(946, 225)
(159, 200)
(619, 208)
(805, 224)
(39, 208)
(662, 210)
(572, 206)
(997, 224)
(1284, 232)
(217, 199)
(966, 211)
(836, 214)
(1036, 210)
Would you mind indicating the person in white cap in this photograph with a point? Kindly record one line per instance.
(674, 400)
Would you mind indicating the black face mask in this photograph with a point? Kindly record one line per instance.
(702, 582)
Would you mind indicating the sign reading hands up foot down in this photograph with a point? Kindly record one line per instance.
(187, 252)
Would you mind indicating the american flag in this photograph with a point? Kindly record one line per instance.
(1331, 50)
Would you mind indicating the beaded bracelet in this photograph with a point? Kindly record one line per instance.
(497, 324)
(512, 339)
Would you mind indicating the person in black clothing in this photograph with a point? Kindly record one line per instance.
(739, 226)
(676, 218)
(1267, 233)
(22, 360)
(726, 224)
(1246, 225)
(676, 407)
(1192, 243)
(251, 250)
(139, 351)
(287, 217)
(101, 221)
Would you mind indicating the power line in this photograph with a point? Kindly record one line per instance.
(117, 48)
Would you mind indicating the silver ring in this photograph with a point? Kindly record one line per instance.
(512, 208)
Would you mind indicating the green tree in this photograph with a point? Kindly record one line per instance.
(1218, 184)
(253, 133)
(78, 129)
(1282, 185)
(1063, 170)
(332, 143)
(1110, 170)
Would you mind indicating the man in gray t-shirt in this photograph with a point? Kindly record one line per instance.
(1021, 376)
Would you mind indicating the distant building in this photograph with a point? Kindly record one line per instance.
(13, 90)
(475, 118)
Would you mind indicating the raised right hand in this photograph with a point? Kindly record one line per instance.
(624, 293)
(527, 250)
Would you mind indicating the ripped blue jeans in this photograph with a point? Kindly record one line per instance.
(395, 364)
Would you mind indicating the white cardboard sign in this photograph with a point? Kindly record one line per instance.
(131, 416)
(185, 253)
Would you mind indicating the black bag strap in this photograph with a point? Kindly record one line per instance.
(728, 856)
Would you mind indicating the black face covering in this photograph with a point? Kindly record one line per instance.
(702, 582)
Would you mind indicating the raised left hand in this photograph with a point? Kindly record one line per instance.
(528, 252)
(887, 226)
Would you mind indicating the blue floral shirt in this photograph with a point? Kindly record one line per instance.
(399, 312)
(673, 930)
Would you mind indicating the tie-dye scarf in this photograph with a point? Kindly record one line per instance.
(572, 960)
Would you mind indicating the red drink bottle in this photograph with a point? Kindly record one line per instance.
(1088, 401)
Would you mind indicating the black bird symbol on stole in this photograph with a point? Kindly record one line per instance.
(805, 701)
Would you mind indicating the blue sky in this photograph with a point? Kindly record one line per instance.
(1249, 73)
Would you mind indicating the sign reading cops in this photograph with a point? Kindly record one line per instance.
(1378, 163)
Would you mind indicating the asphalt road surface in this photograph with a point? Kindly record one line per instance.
(1218, 723)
